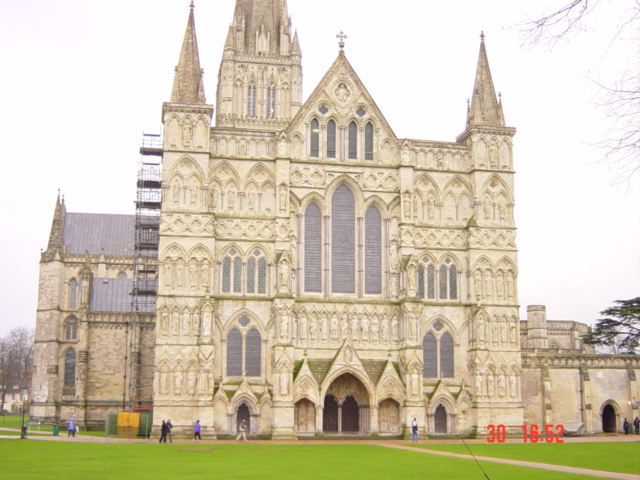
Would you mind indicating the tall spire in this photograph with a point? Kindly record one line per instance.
(485, 108)
(188, 84)
(262, 27)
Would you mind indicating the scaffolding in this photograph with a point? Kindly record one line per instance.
(145, 281)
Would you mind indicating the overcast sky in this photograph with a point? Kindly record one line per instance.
(82, 80)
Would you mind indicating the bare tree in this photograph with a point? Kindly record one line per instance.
(620, 100)
(15, 361)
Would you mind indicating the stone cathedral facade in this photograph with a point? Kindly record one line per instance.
(320, 275)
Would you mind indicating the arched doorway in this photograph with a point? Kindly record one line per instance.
(608, 419)
(346, 406)
(388, 416)
(305, 416)
(330, 414)
(440, 418)
(243, 413)
(350, 415)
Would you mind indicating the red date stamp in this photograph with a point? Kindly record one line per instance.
(531, 434)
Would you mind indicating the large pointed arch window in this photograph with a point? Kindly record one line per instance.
(343, 245)
(244, 350)
(438, 351)
(368, 141)
(314, 150)
(373, 251)
(234, 353)
(353, 141)
(69, 370)
(331, 139)
(312, 249)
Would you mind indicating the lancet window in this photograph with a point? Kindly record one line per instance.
(445, 277)
(257, 273)
(70, 368)
(438, 352)
(313, 249)
(244, 350)
(353, 141)
(251, 101)
(271, 102)
(331, 139)
(315, 139)
(368, 141)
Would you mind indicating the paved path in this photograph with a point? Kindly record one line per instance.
(520, 463)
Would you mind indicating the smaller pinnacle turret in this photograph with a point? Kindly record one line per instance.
(188, 84)
(485, 108)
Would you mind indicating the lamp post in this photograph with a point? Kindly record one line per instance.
(23, 431)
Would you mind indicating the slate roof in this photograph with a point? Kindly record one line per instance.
(98, 232)
(112, 295)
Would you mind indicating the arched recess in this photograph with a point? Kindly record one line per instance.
(442, 416)
(351, 398)
(305, 416)
(389, 416)
(610, 413)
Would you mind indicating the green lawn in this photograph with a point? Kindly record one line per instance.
(239, 462)
(621, 457)
(14, 422)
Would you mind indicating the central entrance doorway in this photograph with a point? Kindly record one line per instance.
(608, 419)
(346, 406)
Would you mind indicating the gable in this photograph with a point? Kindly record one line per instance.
(340, 97)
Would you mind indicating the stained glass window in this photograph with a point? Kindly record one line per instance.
(234, 353)
(353, 141)
(315, 139)
(251, 275)
(368, 142)
(331, 139)
(226, 275)
(70, 368)
(343, 245)
(373, 251)
(262, 276)
(237, 275)
(446, 356)
(430, 356)
(253, 353)
(312, 249)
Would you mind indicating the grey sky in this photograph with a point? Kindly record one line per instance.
(83, 79)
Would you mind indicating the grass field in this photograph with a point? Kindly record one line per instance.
(242, 462)
(621, 457)
(14, 422)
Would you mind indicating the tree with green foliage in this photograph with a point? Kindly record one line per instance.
(619, 330)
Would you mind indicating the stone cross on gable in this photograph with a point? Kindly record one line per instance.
(342, 37)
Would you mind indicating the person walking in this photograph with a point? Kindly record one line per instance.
(414, 430)
(625, 426)
(242, 430)
(196, 431)
(636, 425)
(71, 427)
(169, 427)
(163, 432)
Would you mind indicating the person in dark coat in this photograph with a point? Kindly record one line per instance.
(169, 427)
(625, 427)
(163, 432)
(636, 425)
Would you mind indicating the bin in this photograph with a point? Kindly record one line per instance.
(56, 430)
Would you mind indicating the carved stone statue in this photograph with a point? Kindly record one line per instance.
(284, 273)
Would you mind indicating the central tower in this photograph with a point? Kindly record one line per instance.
(260, 77)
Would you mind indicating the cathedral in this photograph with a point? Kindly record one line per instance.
(294, 265)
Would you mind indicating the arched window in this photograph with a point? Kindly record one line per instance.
(448, 280)
(251, 101)
(70, 368)
(373, 251)
(71, 329)
(426, 279)
(73, 293)
(232, 272)
(438, 352)
(331, 139)
(312, 249)
(253, 353)
(257, 273)
(430, 356)
(368, 142)
(446, 356)
(315, 139)
(271, 102)
(234, 353)
(343, 246)
(353, 141)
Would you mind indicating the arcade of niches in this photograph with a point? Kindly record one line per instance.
(320, 276)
